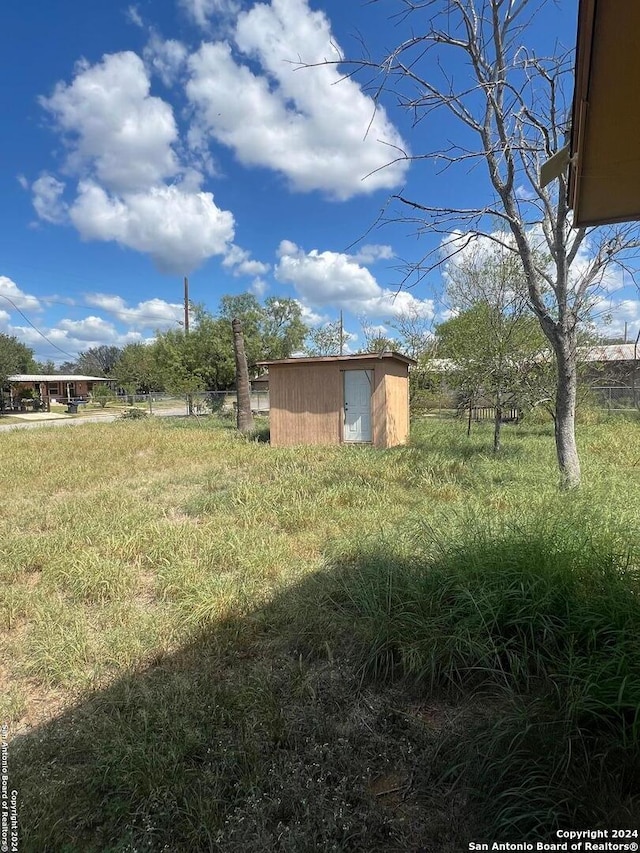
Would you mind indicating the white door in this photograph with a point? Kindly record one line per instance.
(357, 405)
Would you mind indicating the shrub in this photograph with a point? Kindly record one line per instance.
(134, 413)
(102, 395)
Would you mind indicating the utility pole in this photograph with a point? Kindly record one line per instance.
(186, 305)
(341, 333)
(186, 332)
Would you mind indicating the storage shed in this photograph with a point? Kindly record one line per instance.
(359, 399)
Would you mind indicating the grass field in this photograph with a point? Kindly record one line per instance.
(210, 644)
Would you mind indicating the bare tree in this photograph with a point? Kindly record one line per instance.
(516, 106)
(416, 332)
(374, 338)
(243, 388)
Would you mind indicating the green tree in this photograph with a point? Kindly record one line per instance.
(15, 357)
(282, 331)
(103, 395)
(271, 331)
(245, 308)
(179, 362)
(97, 361)
(329, 339)
(137, 369)
(495, 344)
(204, 359)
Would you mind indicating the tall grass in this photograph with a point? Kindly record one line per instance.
(186, 617)
(543, 616)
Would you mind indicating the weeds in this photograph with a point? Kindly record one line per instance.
(543, 617)
(187, 616)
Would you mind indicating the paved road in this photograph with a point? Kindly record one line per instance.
(87, 419)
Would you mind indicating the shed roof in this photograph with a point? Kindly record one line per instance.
(604, 176)
(53, 377)
(319, 359)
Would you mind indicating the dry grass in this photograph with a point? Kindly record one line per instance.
(169, 576)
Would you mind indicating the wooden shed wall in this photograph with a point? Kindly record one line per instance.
(307, 400)
(304, 404)
(397, 404)
(378, 401)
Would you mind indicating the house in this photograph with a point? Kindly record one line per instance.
(604, 174)
(356, 399)
(260, 383)
(615, 364)
(49, 388)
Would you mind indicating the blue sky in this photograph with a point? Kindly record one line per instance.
(147, 141)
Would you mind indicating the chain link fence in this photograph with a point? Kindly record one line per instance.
(199, 403)
(616, 398)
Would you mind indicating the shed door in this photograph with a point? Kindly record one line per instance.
(357, 405)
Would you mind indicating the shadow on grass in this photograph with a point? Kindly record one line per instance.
(256, 735)
(313, 723)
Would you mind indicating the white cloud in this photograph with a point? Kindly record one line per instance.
(373, 252)
(312, 125)
(610, 280)
(377, 329)
(610, 317)
(152, 313)
(201, 11)
(258, 287)
(15, 297)
(72, 336)
(311, 317)
(239, 261)
(4, 319)
(59, 298)
(47, 199)
(89, 329)
(166, 58)
(133, 190)
(336, 279)
(525, 193)
(134, 16)
(178, 229)
(460, 248)
(114, 126)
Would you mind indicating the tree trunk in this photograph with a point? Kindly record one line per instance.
(497, 424)
(565, 419)
(243, 389)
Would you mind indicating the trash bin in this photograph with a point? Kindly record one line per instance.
(72, 408)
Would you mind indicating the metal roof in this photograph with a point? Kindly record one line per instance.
(610, 352)
(52, 377)
(329, 358)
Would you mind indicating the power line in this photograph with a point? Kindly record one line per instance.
(98, 287)
(33, 326)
